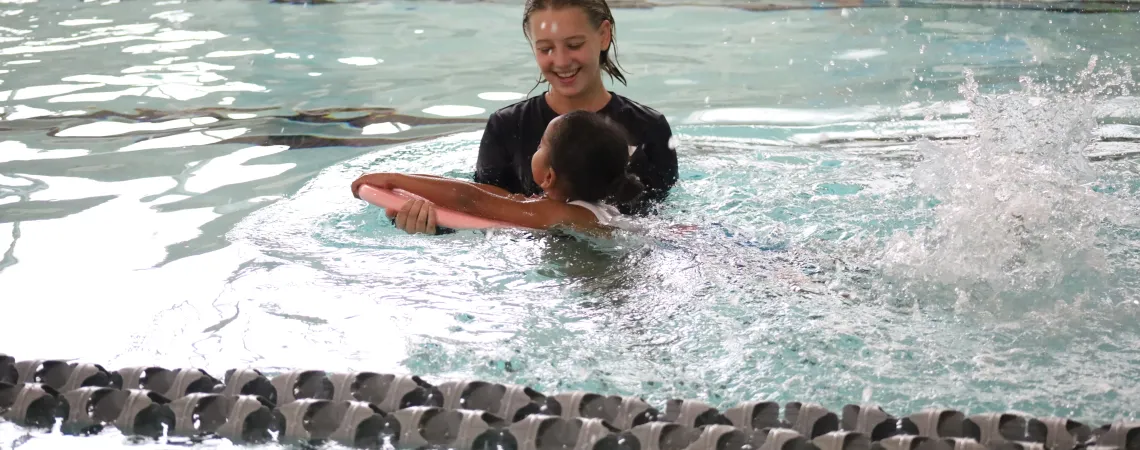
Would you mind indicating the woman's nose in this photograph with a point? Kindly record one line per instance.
(561, 58)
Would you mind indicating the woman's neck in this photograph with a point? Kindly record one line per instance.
(593, 101)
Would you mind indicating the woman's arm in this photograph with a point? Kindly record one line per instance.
(493, 165)
(655, 163)
(469, 198)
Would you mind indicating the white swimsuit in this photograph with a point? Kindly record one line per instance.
(607, 215)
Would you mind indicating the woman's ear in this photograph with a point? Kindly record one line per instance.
(607, 30)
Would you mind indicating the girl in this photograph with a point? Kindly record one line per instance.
(574, 44)
(581, 166)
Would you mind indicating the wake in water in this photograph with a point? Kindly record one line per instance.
(1020, 212)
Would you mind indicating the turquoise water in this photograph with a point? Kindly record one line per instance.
(174, 191)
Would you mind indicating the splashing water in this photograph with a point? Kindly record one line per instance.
(1016, 210)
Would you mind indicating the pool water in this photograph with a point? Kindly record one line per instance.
(908, 206)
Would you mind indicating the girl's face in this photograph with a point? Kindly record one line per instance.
(568, 49)
(540, 168)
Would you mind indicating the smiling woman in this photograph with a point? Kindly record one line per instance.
(573, 42)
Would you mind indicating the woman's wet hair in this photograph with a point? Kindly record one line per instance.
(597, 11)
(590, 154)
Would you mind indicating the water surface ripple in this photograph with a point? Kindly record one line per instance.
(174, 191)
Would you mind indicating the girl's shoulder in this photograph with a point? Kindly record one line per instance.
(556, 214)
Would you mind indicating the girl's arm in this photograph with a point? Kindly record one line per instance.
(486, 187)
(470, 198)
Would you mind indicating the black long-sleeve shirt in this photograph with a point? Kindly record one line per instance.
(513, 133)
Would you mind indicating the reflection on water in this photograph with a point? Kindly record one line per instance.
(174, 183)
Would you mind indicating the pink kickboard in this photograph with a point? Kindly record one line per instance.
(394, 199)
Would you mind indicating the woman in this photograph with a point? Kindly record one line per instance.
(573, 43)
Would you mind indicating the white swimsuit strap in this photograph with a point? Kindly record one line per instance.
(604, 213)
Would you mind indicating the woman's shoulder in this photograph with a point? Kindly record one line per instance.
(635, 115)
(514, 111)
(638, 109)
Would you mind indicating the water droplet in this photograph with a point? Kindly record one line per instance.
(1004, 193)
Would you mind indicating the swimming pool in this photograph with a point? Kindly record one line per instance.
(174, 191)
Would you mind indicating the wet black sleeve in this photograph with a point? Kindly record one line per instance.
(655, 162)
(493, 166)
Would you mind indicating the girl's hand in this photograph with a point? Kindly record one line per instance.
(416, 216)
(378, 180)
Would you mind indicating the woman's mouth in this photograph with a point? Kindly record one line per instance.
(568, 77)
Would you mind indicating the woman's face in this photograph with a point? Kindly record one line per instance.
(568, 49)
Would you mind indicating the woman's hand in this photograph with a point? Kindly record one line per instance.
(377, 180)
(416, 216)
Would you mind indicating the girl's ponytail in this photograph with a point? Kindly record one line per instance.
(627, 189)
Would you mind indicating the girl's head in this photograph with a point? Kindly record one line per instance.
(573, 42)
(584, 156)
